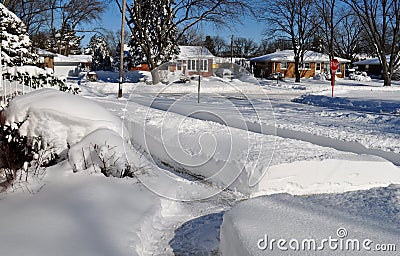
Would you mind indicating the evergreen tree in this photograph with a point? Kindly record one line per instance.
(16, 47)
(154, 33)
(99, 50)
(64, 41)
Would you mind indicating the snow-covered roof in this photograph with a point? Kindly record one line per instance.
(81, 58)
(371, 61)
(194, 51)
(44, 53)
(288, 55)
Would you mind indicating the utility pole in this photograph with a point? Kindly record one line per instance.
(121, 64)
(232, 43)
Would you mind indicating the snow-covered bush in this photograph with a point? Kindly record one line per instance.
(20, 155)
(320, 77)
(360, 76)
(65, 124)
(103, 151)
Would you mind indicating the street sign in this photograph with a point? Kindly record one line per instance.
(334, 66)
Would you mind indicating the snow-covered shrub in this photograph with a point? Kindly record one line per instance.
(320, 77)
(20, 155)
(103, 151)
(38, 80)
(360, 76)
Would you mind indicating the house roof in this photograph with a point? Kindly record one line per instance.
(81, 58)
(288, 55)
(44, 53)
(194, 51)
(371, 61)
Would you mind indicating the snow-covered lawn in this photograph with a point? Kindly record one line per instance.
(255, 140)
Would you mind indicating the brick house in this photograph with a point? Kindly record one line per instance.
(283, 62)
(192, 60)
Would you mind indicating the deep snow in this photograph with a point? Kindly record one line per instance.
(176, 149)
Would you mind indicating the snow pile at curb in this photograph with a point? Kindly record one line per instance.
(255, 226)
(376, 106)
(329, 176)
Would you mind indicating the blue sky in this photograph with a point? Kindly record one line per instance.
(250, 29)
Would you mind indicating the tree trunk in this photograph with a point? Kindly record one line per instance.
(387, 74)
(296, 68)
(155, 76)
(387, 78)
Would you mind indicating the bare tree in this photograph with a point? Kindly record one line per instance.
(381, 20)
(32, 12)
(348, 38)
(295, 20)
(245, 47)
(331, 18)
(220, 46)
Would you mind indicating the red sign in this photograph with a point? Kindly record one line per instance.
(334, 64)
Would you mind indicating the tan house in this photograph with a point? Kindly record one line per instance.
(282, 62)
(193, 60)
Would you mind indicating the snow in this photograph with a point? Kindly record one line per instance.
(194, 52)
(288, 55)
(80, 58)
(59, 118)
(252, 138)
(76, 215)
(251, 226)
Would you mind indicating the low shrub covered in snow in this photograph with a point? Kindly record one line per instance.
(46, 123)
(360, 76)
(103, 151)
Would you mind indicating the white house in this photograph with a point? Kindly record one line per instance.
(193, 59)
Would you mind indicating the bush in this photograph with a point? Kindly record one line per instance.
(18, 153)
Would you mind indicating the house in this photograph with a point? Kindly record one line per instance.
(371, 66)
(283, 62)
(71, 65)
(193, 60)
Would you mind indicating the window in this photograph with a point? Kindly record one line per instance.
(198, 65)
(179, 65)
(327, 67)
(284, 65)
(305, 65)
(318, 66)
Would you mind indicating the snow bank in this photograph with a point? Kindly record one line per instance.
(329, 176)
(59, 118)
(357, 104)
(255, 226)
(77, 214)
